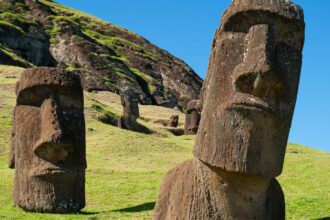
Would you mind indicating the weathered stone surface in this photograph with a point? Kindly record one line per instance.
(174, 121)
(247, 103)
(192, 118)
(48, 142)
(197, 191)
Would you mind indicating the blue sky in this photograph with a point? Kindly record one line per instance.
(185, 28)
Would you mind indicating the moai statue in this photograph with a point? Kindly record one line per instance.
(248, 103)
(192, 118)
(48, 142)
(129, 102)
(174, 121)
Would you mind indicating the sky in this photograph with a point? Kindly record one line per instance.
(185, 28)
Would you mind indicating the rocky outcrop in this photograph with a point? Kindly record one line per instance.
(44, 33)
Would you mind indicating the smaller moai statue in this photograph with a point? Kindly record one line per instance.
(192, 118)
(129, 101)
(48, 147)
(174, 121)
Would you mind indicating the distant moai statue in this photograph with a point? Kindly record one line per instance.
(248, 102)
(174, 121)
(48, 142)
(129, 101)
(192, 118)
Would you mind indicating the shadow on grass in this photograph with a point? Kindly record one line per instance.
(325, 218)
(139, 208)
(88, 213)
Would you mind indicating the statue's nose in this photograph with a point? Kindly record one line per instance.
(256, 75)
(52, 144)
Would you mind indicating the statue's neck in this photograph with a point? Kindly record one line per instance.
(240, 197)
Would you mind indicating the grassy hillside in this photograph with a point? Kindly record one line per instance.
(106, 56)
(125, 168)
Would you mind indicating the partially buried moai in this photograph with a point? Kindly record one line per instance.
(129, 101)
(174, 121)
(48, 142)
(248, 103)
(192, 118)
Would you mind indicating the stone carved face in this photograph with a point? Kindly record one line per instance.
(192, 117)
(251, 87)
(129, 101)
(48, 142)
(174, 120)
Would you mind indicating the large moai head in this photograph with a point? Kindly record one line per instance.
(48, 142)
(192, 117)
(253, 77)
(129, 101)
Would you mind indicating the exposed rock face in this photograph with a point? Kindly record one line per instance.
(129, 102)
(48, 142)
(248, 102)
(192, 118)
(174, 121)
(44, 33)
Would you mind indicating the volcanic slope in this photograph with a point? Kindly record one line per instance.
(45, 33)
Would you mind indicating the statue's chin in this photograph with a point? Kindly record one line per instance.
(256, 141)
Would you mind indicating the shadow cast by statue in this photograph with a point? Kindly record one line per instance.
(325, 218)
(139, 208)
(88, 213)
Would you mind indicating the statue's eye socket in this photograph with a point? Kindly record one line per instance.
(35, 96)
(72, 113)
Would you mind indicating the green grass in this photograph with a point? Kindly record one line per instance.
(18, 18)
(125, 168)
(53, 40)
(10, 53)
(11, 25)
(55, 30)
(61, 8)
(141, 74)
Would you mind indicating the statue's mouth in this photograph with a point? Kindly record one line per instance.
(47, 172)
(252, 103)
(37, 172)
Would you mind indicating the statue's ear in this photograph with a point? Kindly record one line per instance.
(122, 99)
(11, 161)
(16, 88)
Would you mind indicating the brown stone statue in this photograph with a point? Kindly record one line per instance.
(248, 103)
(174, 121)
(129, 101)
(192, 118)
(48, 142)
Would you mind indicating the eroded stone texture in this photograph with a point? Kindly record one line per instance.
(174, 121)
(129, 101)
(48, 142)
(248, 101)
(192, 118)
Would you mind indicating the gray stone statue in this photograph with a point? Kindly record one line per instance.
(129, 101)
(48, 142)
(192, 118)
(248, 101)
